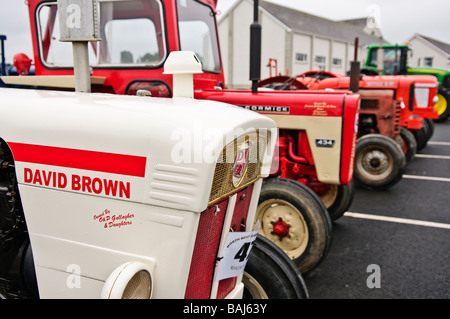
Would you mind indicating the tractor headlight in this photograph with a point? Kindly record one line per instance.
(435, 99)
(131, 280)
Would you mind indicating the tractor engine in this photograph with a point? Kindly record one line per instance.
(17, 275)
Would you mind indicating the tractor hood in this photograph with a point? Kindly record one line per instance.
(124, 139)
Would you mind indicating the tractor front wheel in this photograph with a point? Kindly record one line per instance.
(379, 162)
(443, 105)
(295, 219)
(270, 274)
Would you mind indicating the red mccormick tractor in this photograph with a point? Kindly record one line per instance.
(317, 130)
(95, 203)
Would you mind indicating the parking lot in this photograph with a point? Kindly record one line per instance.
(394, 243)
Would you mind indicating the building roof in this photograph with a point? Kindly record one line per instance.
(302, 22)
(445, 47)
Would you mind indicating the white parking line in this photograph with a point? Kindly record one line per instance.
(433, 156)
(427, 178)
(398, 220)
(439, 143)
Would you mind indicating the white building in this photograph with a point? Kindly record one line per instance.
(428, 52)
(296, 40)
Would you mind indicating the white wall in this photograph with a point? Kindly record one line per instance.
(422, 50)
(273, 45)
(278, 43)
(301, 45)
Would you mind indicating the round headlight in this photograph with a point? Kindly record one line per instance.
(435, 99)
(131, 280)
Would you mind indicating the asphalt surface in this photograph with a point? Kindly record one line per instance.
(404, 258)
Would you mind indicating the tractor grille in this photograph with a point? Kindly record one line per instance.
(205, 251)
(209, 234)
(397, 110)
(211, 224)
(223, 175)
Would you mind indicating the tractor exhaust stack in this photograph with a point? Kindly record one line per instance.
(255, 48)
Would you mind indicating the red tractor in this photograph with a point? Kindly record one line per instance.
(416, 93)
(395, 111)
(317, 129)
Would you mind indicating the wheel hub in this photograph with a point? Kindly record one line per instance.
(280, 228)
(376, 162)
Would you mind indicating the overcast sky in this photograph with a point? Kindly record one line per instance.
(399, 20)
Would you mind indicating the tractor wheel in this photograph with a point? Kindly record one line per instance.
(338, 199)
(270, 274)
(409, 144)
(379, 162)
(443, 105)
(430, 125)
(421, 136)
(295, 219)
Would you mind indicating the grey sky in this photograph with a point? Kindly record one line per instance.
(399, 19)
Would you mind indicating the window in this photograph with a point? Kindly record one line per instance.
(131, 34)
(301, 57)
(394, 60)
(428, 61)
(337, 62)
(197, 27)
(319, 59)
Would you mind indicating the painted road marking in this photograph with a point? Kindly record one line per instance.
(427, 178)
(398, 220)
(439, 143)
(433, 156)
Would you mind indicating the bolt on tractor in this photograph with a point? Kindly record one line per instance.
(393, 59)
(97, 198)
(311, 186)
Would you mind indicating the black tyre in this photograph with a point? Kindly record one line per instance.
(379, 162)
(421, 137)
(338, 199)
(269, 273)
(409, 144)
(443, 105)
(430, 124)
(296, 220)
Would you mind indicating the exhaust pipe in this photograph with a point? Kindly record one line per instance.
(355, 70)
(255, 48)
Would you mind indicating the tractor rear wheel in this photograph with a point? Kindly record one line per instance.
(379, 162)
(295, 219)
(338, 199)
(270, 274)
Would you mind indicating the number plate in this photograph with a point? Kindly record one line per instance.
(324, 142)
(235, 253)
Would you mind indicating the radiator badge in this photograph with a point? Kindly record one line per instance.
(240, 165)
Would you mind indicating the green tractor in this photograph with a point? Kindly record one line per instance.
(395, 62)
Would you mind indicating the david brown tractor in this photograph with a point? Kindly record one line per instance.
(95, 201)
(317, 130)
